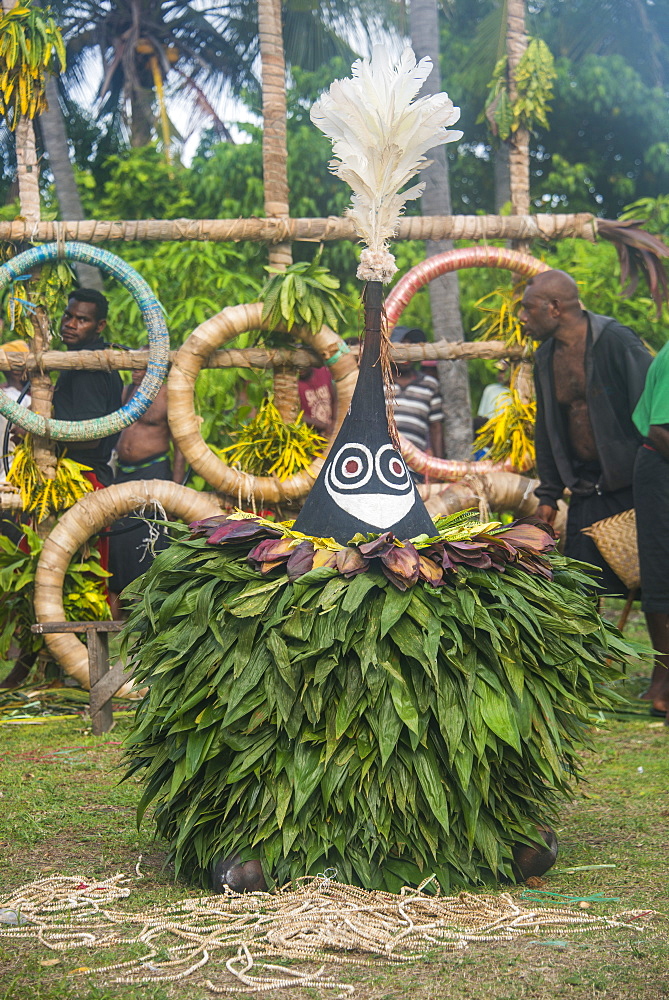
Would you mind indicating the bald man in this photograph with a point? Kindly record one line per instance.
(589, 373)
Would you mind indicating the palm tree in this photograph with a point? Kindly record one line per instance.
(146, 45)
(149, 46)
(444, 291)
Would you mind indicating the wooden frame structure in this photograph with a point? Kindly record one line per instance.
(277, 230)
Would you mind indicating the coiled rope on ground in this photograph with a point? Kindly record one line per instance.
(315, 920)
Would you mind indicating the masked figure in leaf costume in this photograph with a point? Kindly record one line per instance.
(366, 689)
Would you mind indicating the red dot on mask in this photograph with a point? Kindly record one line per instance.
(396, 467)
(351, 466)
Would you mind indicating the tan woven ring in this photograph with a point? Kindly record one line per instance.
(615, 537)
(185, 425)
(89, 516)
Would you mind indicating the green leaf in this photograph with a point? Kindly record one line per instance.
(389, 728)
(430, 781)
(308, 773)
(404, 705)
(394, 606)
(282, 660)
(358, 589)
(254, 599)
(499, 716)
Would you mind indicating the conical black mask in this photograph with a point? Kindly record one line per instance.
(365, 485)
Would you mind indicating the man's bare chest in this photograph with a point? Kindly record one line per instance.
(569, 376)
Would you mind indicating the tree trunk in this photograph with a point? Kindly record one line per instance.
(286, 394)
(275, 155)
(141, 108)
(27, 170)
(519, 143)
(444, 291)
(502, 179)
(54, 137)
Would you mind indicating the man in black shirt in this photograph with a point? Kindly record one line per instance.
(84, 395)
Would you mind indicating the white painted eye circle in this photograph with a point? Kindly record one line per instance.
(391, 470)
(352, 467)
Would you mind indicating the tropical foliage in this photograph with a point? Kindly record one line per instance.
(266, 446)
(151, 50)
(534, 82)
(42, 495)
(31, 46)
(344, 722)
(48, 292)
(501, 309)
(143, 49)
(608, 136)
(84, 593)
(304, 294)
(509, 433)
(458, 540)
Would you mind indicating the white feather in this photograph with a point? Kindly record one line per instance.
(380, 135)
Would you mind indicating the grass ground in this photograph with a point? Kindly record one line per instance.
(62, 809)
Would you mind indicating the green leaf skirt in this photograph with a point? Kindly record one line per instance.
(344, 723)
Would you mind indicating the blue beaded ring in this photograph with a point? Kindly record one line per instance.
(159, 345)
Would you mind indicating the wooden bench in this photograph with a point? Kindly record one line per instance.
(104, 682)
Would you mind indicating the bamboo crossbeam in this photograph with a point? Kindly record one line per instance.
(280, 230)
(10, 500)
(250, 357)
(125, 360)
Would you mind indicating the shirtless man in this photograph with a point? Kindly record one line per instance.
(589, 373)
(143, 453)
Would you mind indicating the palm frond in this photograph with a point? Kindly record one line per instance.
(639, 252)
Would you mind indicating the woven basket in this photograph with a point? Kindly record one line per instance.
(615, 537)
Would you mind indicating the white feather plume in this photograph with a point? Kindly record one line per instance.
(379, 139)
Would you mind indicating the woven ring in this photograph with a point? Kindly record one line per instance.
(112, 423)
(443, 469)
(89, 515)
(184, 425)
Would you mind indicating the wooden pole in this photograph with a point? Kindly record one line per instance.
(41, 398)
(275, 171)
(274, 150)
(249, 357)
(277, 230)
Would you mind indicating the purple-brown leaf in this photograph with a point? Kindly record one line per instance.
(430, 572)
(269, 553)
(350, 562)
(301, 561)
(401, 565)
(378, 545)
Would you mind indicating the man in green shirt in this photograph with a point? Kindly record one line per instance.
(651, 502)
